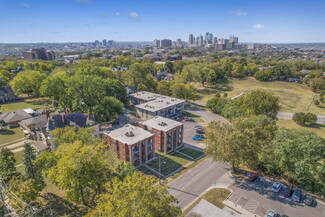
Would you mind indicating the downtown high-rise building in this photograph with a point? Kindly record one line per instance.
(165, 43)
(191, 40)
(208, 38)
(200, 41)
(234, 39)
(156, 43)
(179, 42)
(104, 43)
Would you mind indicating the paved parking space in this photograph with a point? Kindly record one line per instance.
(257, 198)
(189, 132)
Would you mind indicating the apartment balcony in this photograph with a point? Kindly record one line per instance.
(150, 144)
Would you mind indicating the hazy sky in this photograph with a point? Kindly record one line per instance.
(144, 20)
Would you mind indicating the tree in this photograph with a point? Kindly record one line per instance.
(82, 170)
(164, 88)
(305, 119)
(240, 142)
(299, 156)
(7, 163)
(263, 75)
(5, 77)
(140, 75)
(183, 91)
(169, 66)
(255, 102)
(108, 109)
(143, 199)
(56, 87)
(27, 190)
(29, 165)
(28, 82)
(217, 103)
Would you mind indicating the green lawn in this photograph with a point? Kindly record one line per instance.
(293, 97)
(34, 103)
(19, 157)
(8, 135)
(319, 129)
(191, 152)
(216, 196)
(172, 161)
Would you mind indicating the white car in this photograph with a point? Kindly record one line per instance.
(271, 213)
(276, 187)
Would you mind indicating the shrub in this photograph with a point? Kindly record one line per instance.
(304, 119)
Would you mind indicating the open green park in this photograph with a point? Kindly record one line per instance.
(293, 97)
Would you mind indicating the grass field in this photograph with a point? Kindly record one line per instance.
(19, 157)
(34, 103)
(319, 129)
(191, 152)
(293, 97)
(171, 163)
(8, 135)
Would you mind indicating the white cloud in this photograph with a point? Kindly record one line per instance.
(134, 15)
(259, 26)
(240, 13)
(117, 14)
(25, 5)
(83, 1)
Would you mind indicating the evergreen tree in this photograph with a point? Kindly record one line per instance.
(28, 160)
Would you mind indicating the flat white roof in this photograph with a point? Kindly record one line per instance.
(129, 134)
(161, 123)
(144, 95)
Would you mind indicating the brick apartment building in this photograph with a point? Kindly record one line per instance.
(132, 144)
(168, 133)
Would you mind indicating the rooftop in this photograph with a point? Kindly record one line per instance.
(14, 116)
(161, 102)
(161, 123)
(147, 96)
(129, 134)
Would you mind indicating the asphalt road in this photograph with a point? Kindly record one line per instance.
(188, 187)
(281, 115)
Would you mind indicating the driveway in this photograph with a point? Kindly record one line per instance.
(288, 116)
(207, 115)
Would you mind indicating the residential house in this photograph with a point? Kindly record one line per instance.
(7, 95)
(13, 118)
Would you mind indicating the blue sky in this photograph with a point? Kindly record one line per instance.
(144, 20)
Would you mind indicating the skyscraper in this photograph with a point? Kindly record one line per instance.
(232, 38)
(191, 40)
(104, 43)
(156, 43)
(200, 41)
(179, 42)
(165, 43)
(208, 38)
(215, 40)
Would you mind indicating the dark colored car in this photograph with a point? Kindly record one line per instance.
(309, 200)
(296, 195)
(287, 192)
(199, 131)
(252, 177)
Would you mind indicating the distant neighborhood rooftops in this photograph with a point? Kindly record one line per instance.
(160, 103)
(129, 134)
(161, 123)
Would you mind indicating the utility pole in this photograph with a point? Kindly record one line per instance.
(159, 164)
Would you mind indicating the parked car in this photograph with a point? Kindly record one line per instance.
(200, 131)
(276, 187)
(187, 118)
(271, 213)
(200, 135)
(198, 127)
(287, 192)
(296, 195)
(309, 200)
(197, 137)
(252, 177)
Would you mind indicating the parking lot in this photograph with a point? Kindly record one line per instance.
(189, 132)
(257, 198)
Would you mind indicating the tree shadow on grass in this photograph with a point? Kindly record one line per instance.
(40, 102)
(6, 132)
(53, 205)
(317, 126)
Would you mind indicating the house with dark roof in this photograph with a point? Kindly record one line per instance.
(35, 127)
(75, 119)
(7, 95)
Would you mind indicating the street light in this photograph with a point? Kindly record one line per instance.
(160, 168)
